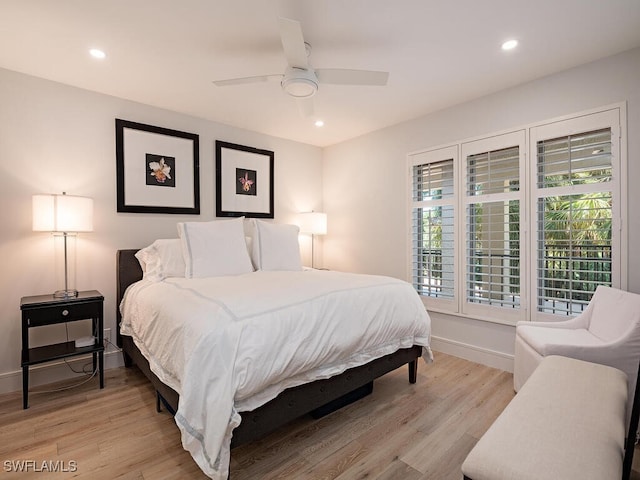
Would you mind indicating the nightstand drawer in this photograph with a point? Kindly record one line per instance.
(63, 313)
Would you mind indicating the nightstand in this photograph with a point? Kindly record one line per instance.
(42, 310)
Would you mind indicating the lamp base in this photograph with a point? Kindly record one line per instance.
(65, 293)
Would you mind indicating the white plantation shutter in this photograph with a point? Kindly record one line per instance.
(576, 159)
(576, 205)
(494, 169)
(432, 242)
(521, 225)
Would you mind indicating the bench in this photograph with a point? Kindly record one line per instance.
(567, 422)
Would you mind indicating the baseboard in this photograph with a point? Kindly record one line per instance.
(54, 371)
(485, 356)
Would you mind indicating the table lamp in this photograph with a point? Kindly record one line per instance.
(313, 223)
(64, 215)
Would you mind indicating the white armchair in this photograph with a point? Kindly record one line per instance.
(607, 332)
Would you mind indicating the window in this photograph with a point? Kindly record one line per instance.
(534, 226)
(576, 196)
(494, 171)
(432, 178)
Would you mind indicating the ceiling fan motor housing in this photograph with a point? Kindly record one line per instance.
(300, 82)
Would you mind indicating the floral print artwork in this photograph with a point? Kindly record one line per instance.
(160, 170)
(246, 184)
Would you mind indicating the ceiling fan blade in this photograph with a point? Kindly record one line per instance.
(244, 80)
(339, 76)
(305, 106)
(293, 43)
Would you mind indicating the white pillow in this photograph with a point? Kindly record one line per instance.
(250, 234)
(276, 247)
(214, 249)
(162, 259)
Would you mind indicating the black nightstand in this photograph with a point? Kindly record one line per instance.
(42, 310)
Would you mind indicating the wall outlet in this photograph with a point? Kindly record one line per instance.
(107, 338)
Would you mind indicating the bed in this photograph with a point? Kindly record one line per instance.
(277, 402)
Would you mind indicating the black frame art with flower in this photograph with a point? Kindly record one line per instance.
(244, 181)
(157, 169)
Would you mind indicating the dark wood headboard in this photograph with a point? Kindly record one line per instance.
(128, 271)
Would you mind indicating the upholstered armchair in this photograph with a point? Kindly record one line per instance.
(607, 332)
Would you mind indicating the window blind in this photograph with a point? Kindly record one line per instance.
(574, 246)
(493, 228)
(522, 224)
(432, 229)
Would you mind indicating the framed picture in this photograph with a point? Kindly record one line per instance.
(157, 169)
(244, 181)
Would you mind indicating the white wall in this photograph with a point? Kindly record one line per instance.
(365, 182)
(56, 138)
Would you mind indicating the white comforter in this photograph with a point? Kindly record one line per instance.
(230, 344)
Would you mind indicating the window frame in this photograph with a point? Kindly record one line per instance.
(610, 116)
(506, 140)
(576, 125)
(424, 157)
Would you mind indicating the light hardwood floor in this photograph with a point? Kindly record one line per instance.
(401, 431)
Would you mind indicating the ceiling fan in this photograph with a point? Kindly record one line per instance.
(300, 79)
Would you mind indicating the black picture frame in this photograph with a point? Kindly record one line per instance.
(244, 181)
(157, 169)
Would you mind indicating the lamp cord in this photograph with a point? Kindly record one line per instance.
(89, 374)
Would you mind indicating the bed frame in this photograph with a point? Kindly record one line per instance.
(318, 398)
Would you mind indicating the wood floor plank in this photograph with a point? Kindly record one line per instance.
(464, 404)
(400, 432)
(399, 470)
(397, 431)
(446, 466)
(333, 466)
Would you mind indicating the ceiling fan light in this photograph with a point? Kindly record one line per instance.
(299, 87)
(300, 83)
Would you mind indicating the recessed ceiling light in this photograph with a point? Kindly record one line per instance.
(509, 44)
(96, 53)
(319, 123)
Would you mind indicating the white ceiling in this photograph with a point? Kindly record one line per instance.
(438, 53)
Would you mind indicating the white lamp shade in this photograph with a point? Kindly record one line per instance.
(314, 223)
(62, 213)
